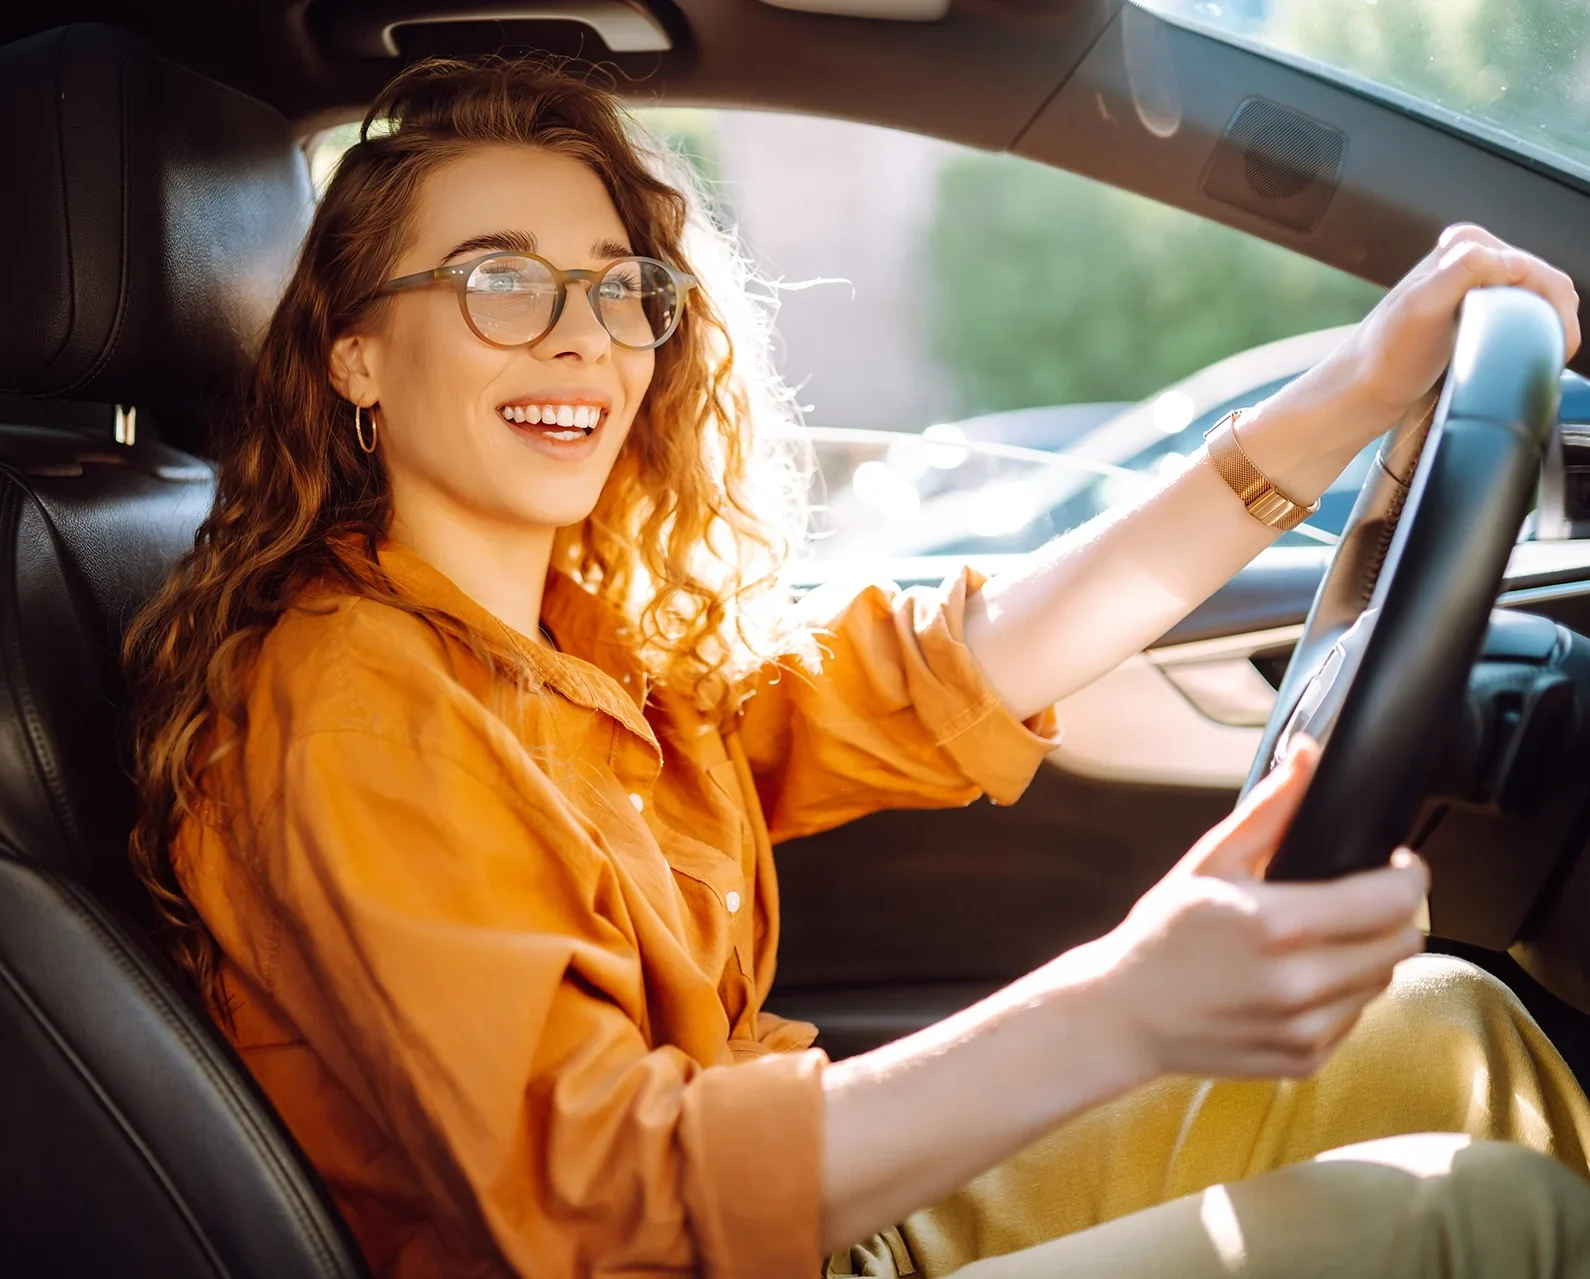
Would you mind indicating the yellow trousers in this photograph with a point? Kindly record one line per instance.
(1422, 1149)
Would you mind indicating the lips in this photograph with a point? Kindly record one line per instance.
(562, 423)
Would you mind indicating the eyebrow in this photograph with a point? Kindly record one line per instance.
(524, 242)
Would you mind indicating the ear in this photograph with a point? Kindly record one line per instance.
(350, 370)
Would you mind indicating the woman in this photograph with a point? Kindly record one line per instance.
(469, 723)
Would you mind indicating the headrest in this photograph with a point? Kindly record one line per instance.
(149, 222)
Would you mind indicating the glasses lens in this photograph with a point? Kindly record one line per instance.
(511, 299)
(638, 301)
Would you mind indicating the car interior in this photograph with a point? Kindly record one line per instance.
(157, 189)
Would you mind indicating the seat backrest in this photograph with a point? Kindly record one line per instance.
(150, 219)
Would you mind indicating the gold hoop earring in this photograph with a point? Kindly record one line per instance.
(358, 429)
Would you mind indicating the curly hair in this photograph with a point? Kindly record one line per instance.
(704, 504)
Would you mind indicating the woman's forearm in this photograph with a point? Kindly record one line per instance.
(1092, 598)
(908, 1123)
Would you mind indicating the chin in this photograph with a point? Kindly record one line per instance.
(558, 512)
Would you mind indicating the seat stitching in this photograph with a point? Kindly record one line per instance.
(14, 984)
(122, 287)
(135, 969)
(43, 759)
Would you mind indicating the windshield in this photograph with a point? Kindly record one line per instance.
(1514, 71)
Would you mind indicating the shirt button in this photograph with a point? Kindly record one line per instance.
(637, 801)
(732, 901)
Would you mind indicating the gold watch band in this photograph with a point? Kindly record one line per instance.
(1264, 501)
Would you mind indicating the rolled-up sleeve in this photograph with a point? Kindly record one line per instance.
(892, 712)
(455, 951)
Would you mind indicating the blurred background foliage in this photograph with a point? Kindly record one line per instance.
(1048, 288)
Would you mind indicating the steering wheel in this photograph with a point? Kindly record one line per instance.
(1402, 611)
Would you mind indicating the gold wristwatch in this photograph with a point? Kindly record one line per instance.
(1264, 501)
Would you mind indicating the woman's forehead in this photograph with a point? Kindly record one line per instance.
(542, 199)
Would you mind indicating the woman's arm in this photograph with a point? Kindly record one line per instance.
(1094, 597)
(1215, 972)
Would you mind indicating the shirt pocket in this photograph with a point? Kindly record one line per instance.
(716, 903)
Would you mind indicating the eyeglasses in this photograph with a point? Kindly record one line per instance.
(515, 299)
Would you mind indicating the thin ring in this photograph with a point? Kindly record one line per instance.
(358, 430)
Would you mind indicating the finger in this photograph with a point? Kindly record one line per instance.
(1365, 904)
(1321, 1030)
(1242, 845)
(1564, 296)
(1469, 233)
(1316, 978)
(1430, 263)
(1266, 1059)
(1470, 263)
(1557, 288)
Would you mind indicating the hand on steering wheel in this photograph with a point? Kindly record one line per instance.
(1402, 347)
(1401, 613)
(1218, 973)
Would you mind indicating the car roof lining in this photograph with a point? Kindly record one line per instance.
(929, 77)
(1063, 94)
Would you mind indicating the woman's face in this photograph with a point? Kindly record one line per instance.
(446, 400)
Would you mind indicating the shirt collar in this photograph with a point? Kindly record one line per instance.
(592, 635)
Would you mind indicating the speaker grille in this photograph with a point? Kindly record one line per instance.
(1277, 163)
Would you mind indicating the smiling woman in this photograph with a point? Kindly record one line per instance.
(468, 726)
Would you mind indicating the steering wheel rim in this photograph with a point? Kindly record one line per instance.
(1402, 610)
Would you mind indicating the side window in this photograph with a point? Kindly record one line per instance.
(988, 350)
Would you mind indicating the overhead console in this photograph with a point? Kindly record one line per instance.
(370, 28)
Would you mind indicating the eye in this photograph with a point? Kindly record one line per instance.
(621, 284)
(509, 275)
(500, 277)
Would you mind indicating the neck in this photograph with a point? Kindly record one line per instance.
(503, 568)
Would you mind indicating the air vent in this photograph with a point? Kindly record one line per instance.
(1277, 163)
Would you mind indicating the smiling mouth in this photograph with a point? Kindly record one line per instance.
(556, 421)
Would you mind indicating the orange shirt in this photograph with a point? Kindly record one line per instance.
(500, 959)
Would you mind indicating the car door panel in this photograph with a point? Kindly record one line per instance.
(899, 919)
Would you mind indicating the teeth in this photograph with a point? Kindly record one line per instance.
(583, 418)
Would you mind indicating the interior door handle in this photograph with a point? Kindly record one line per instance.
(1229, 692)
(368, 28)
(1219, 678)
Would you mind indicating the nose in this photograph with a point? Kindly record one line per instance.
(578, 332)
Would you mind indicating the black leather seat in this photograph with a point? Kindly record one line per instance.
(149, 219)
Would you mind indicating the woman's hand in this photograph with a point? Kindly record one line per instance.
(1217, 972)
(1397, 353)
